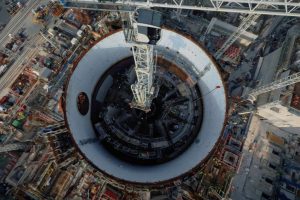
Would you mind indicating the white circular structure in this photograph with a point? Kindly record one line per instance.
(106, 53)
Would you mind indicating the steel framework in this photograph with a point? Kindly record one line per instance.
(245, 24)
(252, 7)
(210, 25)
(280, 83)
(143, 89)
(266, 7)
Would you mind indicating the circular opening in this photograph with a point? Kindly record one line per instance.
(108, 52)
(83, 103)
(152, 137)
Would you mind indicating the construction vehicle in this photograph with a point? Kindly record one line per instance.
(40, 14)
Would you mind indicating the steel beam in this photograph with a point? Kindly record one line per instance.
(280, 83)
(265, 7)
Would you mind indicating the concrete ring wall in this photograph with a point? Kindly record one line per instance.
(107, 52)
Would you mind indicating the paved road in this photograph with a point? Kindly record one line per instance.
(22, 19)
(16, 69)
(240, 179)
(17, 21)
(4, 15)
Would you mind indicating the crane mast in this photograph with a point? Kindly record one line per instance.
(144, 89)
(137, 32)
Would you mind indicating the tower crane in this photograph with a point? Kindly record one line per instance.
(145, 89)
(142, 30)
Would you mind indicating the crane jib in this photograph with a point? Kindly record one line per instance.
(264, 7)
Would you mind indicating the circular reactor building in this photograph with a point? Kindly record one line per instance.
(178, 134)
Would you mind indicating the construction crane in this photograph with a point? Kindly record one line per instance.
(144, 89)
(244, 25)
(275, 7)
(142, 30)
(277, 84)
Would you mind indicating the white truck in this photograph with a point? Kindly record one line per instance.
(3, 69)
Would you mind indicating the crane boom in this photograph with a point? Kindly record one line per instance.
(280, 83)
(255, 9)
(245, 24)
(274, 7)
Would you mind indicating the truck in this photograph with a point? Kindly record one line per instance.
(2, 109)
(4, 100)
(3, 69)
